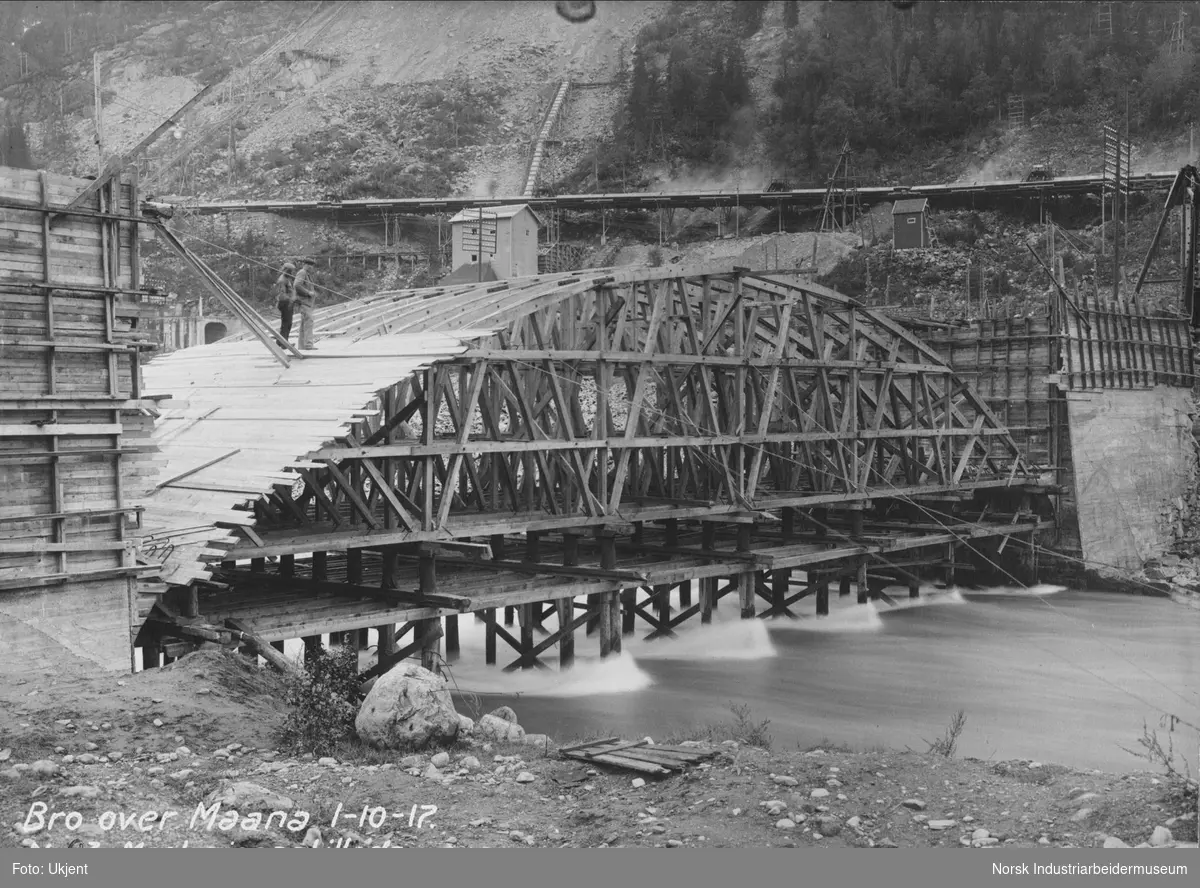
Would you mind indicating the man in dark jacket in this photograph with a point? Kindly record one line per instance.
(287, 298)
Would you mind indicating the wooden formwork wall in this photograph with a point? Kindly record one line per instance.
(71, 424)
(1009, 362)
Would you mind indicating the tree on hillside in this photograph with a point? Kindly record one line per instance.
(791, 13)
(748, 16)
(930, 73)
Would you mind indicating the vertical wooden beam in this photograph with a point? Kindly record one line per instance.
(822, 584)
(662, 601)
(489, 632)
(430, 632)
(628, 614)
(527, 622)
(565, 607)
(566, 642)
(861, 581)
(746, 593)
(604, 625)
(452, 643)
(533, 549)
(914, 589)
(844, 586)
(489, 637)
(746, 580)
(708, 539)
(614, 620)
(685, 594)
(951, 552)
(780, 581)
(430, 629)
(610, 602)
(708, 597)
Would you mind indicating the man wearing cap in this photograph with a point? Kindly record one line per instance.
(306, 298)
(287, 298)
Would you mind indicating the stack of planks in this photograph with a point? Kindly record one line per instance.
(640, 755)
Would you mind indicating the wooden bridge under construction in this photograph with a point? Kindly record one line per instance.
(566, 457)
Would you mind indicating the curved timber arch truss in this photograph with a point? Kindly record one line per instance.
(625, 396)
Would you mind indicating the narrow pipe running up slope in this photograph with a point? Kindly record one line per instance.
(539, 148)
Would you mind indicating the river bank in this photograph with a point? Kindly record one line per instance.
(149, 748)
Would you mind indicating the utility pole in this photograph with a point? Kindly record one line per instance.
(99, 112)
(1117, 229)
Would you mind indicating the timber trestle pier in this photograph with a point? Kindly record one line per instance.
(573, 456)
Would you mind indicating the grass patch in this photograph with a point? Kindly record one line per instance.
(743, 729)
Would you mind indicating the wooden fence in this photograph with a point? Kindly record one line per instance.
(1109, 347)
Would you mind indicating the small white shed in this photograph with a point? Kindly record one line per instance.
(513, 249)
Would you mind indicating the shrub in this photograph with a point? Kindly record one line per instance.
(1174, 765)
(276, 158)
(655, 257)
(324, 698)
(947, 744)
(746, 730)
(957, 233)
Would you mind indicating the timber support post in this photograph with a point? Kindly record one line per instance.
(610, 602)
(429, 630)
(781, 580)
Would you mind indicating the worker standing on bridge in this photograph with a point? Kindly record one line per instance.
(287, 298)
(306, 297)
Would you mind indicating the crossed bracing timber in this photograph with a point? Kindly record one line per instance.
(585, 589)
(600, 393)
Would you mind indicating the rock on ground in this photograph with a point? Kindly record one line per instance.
(246, 796)
(506, 713)
(491, 727)
(408, 707)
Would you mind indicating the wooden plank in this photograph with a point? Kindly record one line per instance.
(627, 763)
(565, 749)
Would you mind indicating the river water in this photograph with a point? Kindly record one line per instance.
(1051, 674)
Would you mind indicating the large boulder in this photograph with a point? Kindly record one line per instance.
(408, 707)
